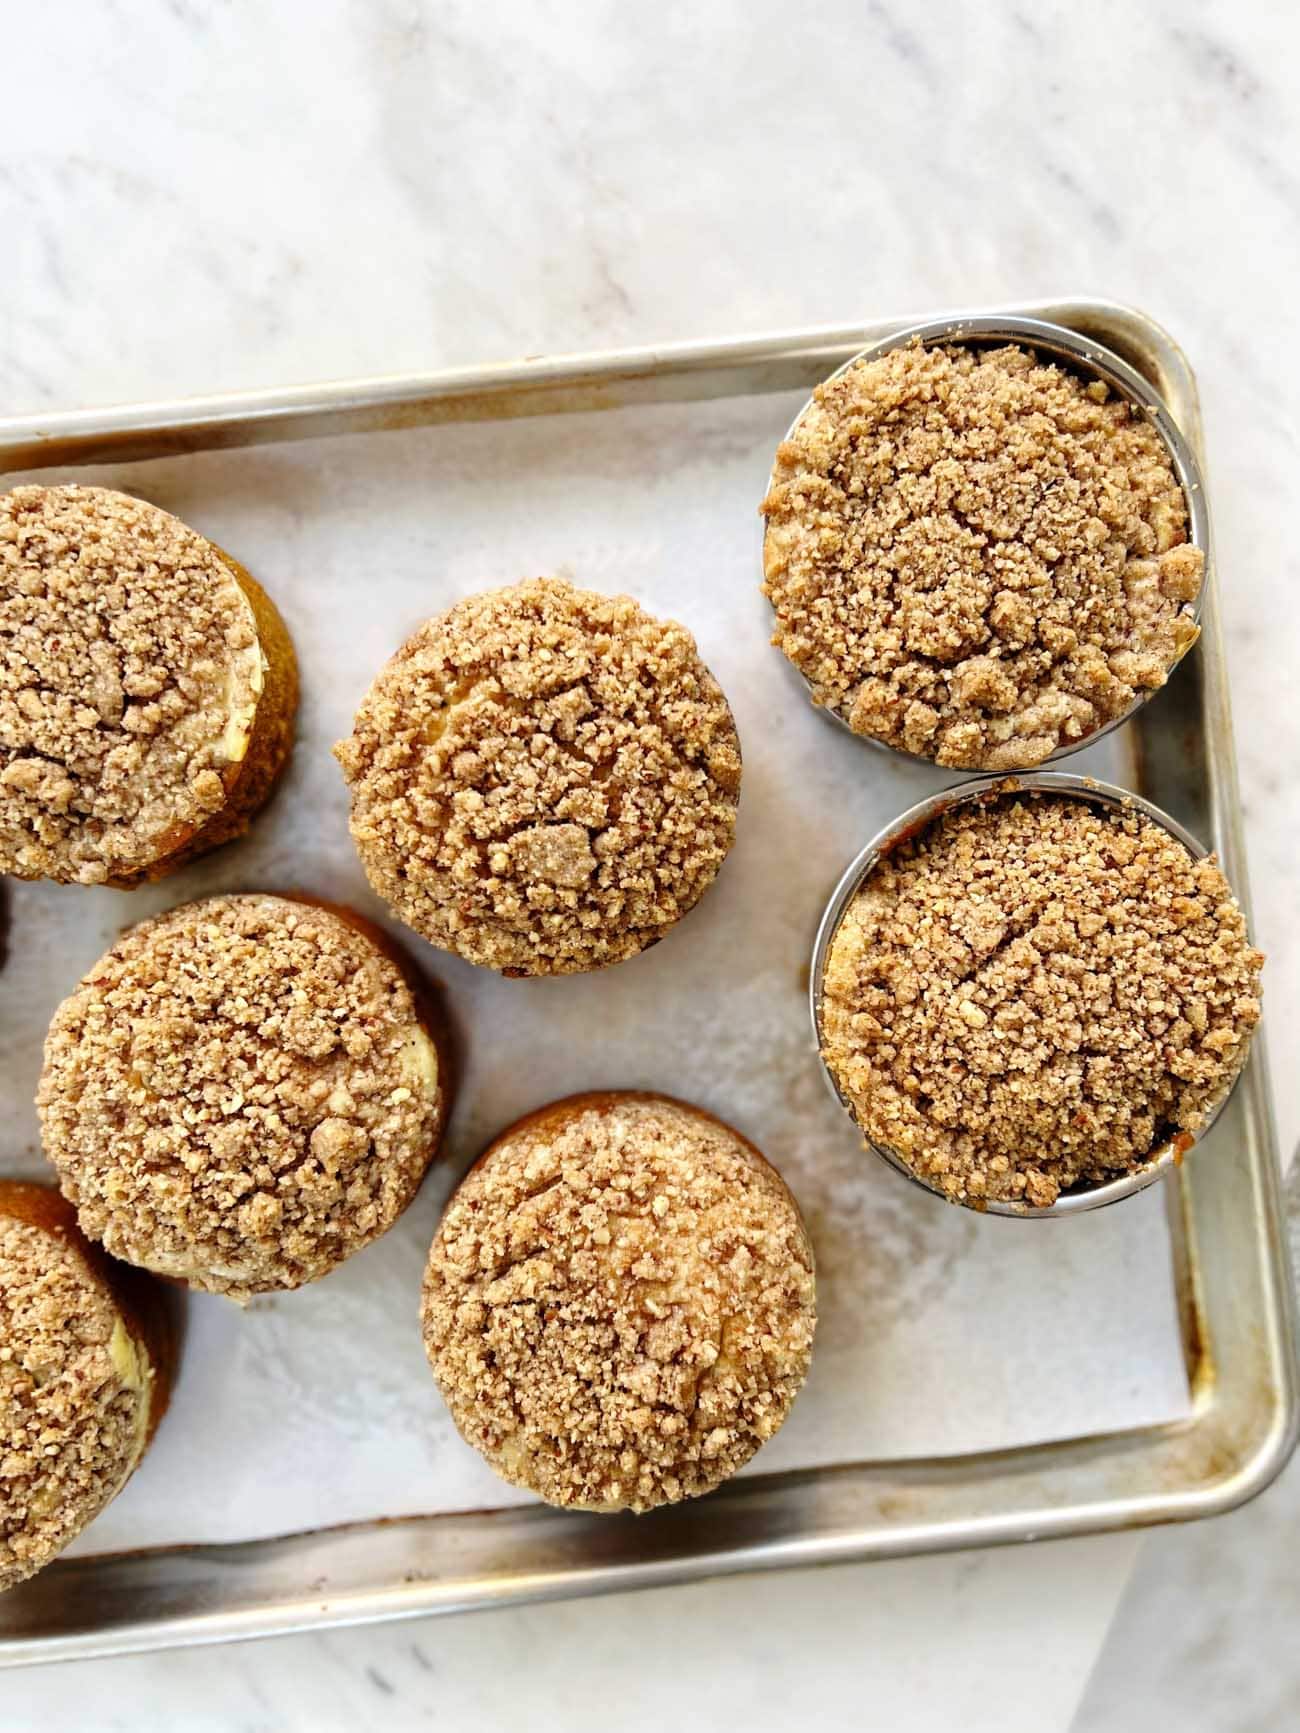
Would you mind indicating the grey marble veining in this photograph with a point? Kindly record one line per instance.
(209, 194)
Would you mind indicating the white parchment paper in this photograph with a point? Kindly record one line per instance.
(940, 1332)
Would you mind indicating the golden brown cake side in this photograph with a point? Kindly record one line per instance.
(1034, 994)
(977, 557)
(86, 1357)
(619, 1304)
(242, 1093)
(544, 780)
(147, 689)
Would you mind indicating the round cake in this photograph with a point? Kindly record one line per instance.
(147, 689)
(85, 1363)
(543, 779)
(1035, 994)
(242, 1093)
(619, 1304)
(977, 557)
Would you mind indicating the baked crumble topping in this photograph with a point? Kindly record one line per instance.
(543, 779)
(1035, 994)
(74, 1399)
(240, 1094)
(619, 1304)
(977, 557)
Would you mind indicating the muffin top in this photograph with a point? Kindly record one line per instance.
(975, 556)
(129, 676)
(74, 1397)
(543, 779)
(1036, 993)
(240, 1093)
(619, 1304)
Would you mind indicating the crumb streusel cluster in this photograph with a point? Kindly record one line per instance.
(241, 1094)
(619, 1304)
(975, 556)
(127, 647)
(543, 779)
(1034, 993)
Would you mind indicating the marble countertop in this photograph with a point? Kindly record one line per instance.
(210, 194)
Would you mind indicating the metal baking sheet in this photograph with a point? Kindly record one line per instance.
(976, 1380)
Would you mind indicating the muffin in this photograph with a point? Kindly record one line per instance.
(619, 1304)
(543, 779)
(1034, 995)
(977, 557)
(85, 1370)
(147, 689)
(242, 1093)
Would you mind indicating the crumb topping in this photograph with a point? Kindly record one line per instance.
(72, 1423)
(543, 779)
(619, 1304)
(977, 557)
(241, 1094)
(129, 674)
(1036, 994)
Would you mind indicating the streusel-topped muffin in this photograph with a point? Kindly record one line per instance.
(242, 1093)
(977, 556)
(619, 1304)
(543, 779)
(147, 689)
(85, 1370)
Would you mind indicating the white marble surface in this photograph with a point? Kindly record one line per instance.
(925, 1644)
(216, 193)
(1205, 1635)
